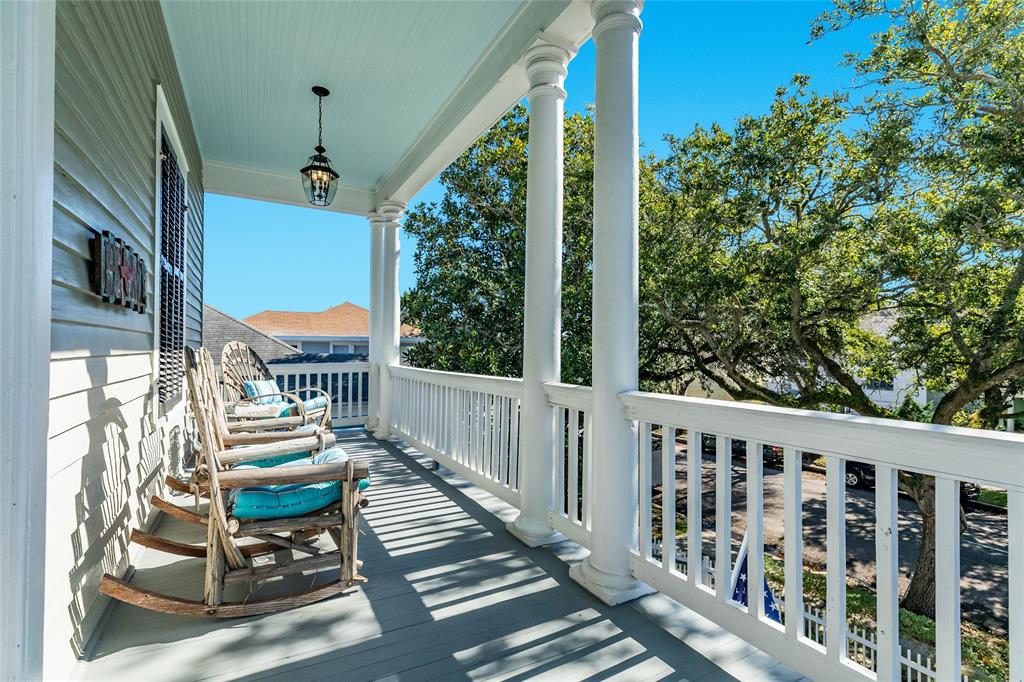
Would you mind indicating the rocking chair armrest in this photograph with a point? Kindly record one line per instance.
(294, 399)
(260, 424)
(314, 389)
(316, 442)
(312, 473)
(231, 439)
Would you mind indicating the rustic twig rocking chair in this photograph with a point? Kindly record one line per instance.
(281, 504)
(249, 386)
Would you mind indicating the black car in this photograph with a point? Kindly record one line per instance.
(772, 453)
(861, 475)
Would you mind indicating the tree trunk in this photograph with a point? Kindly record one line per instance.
(920, 596)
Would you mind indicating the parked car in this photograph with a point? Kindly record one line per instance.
(861, 475)
(772, 453)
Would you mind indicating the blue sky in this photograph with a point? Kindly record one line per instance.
(700, 62)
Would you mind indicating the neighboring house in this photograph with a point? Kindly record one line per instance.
(343, 328)
(219, 329)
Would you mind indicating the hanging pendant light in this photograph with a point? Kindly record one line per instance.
(319, 180)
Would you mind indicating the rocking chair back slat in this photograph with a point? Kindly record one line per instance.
(240, 363)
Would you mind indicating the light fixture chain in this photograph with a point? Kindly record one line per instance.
(320, 124)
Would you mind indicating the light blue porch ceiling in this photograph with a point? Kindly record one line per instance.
(404, 76)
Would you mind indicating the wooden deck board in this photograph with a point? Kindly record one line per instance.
(451, 596)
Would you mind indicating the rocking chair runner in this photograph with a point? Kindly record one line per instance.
(244, 372)
(267, 503)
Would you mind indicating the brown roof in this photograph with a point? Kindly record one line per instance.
(346, 319)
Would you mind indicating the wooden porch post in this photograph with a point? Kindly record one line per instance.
(390, 318)
(546, 65)
(606, 572)
(27, 36)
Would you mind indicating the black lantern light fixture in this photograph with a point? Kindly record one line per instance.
(319, 180)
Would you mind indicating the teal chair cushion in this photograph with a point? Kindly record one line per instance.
(292, 499)
(255, 388)
(310, 405)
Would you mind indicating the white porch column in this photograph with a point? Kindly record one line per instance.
(27, 34)
(606, 571)
(376, 258)
(546, 68)
(390, 324)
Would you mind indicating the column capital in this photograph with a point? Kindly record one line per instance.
(546, 65)
(389, 212)
(609, 13)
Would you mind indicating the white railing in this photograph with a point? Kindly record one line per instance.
(952, 455)
(467, 422)
(347, 383)
(570, 514)
(862, 640)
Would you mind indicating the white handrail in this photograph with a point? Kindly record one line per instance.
(511, 388)
(468, 422)
(992, 458)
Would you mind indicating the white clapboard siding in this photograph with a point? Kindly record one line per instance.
(109, 448)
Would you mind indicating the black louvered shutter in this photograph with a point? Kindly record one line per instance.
(172, 274)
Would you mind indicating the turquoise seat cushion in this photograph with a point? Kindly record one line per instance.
(255, 388)
(312, 404)
(292, 499)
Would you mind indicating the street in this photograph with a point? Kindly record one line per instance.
(983, 552)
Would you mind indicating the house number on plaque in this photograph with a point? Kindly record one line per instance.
(118, 273)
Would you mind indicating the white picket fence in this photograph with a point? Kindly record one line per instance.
(862, 640)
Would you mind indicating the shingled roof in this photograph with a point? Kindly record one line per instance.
(346, 319)
(219, 329)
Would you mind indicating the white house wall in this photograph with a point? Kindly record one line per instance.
(109, 448)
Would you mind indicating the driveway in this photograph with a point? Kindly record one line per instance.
(983, 551)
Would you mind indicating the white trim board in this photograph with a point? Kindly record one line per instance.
(27, 84)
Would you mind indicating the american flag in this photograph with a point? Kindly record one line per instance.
(739, 585)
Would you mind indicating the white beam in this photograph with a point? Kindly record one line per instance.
(546, 66)
(279, 188)
(27, 40)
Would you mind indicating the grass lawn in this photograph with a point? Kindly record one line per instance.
(986, 654)
(996, 497)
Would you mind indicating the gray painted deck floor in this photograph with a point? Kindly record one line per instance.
(451, 595)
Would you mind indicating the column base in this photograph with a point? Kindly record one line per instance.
(381, 434)
(534, 536)
(612, 590)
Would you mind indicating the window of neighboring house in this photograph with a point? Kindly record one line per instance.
(316, 346)
(361, 350)
(171, 273)
(879, 384)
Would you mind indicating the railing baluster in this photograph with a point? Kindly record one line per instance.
(835, 539)
(1015, 564)
(947, 578)
(585, 486)
(645, 490)
(723, 517)
(792, 514)
(513, 460)
(668, 498)
(755, 529)
(574, 465)
(560, 461)
(694, 549)
(887, 571)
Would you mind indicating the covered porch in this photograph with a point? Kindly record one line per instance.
(452, 596)
(576, 536)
